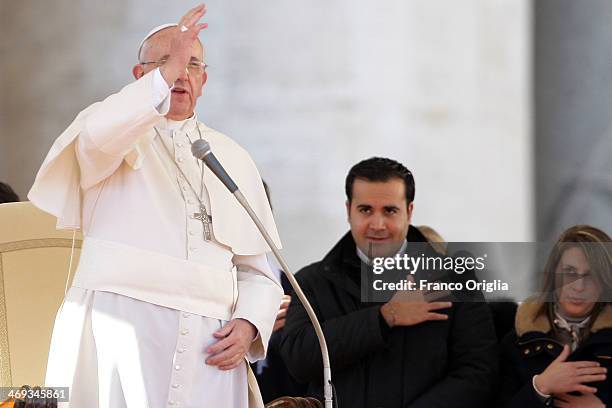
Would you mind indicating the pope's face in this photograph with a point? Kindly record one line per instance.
(188, 86)
(379, 216)
(579, 290)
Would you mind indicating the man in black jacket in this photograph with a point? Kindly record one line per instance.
(415, 354)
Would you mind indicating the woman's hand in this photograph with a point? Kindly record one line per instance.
(562, 376)
(582, 401)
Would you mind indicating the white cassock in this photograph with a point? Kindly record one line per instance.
(149, 291)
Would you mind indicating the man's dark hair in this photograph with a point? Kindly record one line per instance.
(379, 169)
(7, 195)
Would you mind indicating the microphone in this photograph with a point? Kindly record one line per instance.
(201, 150)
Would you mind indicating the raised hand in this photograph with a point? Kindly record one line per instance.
(409, 307)
(182, 43)
(562, 376)
(235, 339)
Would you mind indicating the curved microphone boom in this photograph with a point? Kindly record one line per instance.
(201, 150)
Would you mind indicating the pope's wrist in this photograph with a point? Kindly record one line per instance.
(170, 73)
(254, 331)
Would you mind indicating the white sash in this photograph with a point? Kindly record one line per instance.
(157, 278)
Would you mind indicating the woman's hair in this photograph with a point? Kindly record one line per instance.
(596, 246)
(437, 242)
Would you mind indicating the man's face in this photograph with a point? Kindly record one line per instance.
(379, 216)
(188, 87)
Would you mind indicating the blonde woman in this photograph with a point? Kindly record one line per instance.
(560, 351)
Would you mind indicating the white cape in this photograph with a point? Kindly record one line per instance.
(57, 188)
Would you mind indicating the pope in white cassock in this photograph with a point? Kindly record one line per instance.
(173, 292)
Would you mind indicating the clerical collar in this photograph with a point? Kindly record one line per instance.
(186, 124)
(365, 259)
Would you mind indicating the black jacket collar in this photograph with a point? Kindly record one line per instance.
(343, 260)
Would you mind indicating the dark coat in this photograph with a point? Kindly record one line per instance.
(531, 347)
(449, 364)
(275, 381)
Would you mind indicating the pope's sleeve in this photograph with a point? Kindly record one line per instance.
(259, 297)
(112, 130)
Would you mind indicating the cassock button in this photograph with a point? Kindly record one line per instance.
(179, 144)
(181, 350)
(177, 367)
(180, 160)
(185, 332)
(175, 386)
(191, 232)
(171, 402)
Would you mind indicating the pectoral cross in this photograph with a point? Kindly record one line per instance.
(206, 222)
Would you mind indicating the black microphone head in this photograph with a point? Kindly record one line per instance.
(200, 148)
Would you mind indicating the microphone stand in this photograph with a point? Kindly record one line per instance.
(201, 150)
(327, 384)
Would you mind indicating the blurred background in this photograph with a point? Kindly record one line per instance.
(499, 107)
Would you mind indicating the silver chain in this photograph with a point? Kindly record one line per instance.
(204, 214)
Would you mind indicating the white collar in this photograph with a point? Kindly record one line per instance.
(567, 323)
(185, 125)
(365, 259)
